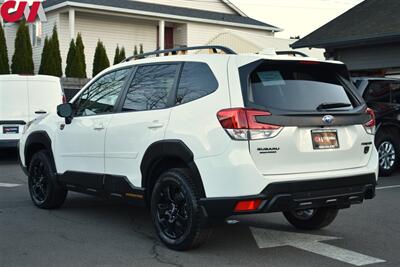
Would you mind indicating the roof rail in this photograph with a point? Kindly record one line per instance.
(291, 53)
(175, 51)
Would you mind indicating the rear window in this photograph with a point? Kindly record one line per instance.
(295, 86)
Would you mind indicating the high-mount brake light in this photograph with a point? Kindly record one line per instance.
(242, 124)
(370, 125)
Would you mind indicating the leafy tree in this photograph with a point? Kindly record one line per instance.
(70, 58)
(116, 57)
(22, 62)
(55, 61)
(44, 63)
(100, 61)
(135, 51)
(4, 66)
(122, 55)
(78, 66)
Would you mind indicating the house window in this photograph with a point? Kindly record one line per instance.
(36, 33)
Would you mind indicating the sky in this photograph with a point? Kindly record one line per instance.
(296, 17)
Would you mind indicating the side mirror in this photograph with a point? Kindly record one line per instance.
(65, 111)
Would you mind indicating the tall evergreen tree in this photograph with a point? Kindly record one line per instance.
(4, 66)
(117, 56)
(44, 63)
(55, 55)
(70, 58)
(141, 49)
(79, 63)
(22, 62)
(135, 51)
(122, 55)
(100, 61)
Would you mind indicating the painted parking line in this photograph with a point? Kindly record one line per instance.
(388, 187)
(7, 185)
(266, 238)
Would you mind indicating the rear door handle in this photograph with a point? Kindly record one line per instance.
(156, 125)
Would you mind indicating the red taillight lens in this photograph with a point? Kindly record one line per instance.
(242, 124)
(64, 99)
(370, 125)
(248, 205)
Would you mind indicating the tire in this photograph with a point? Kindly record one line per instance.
(44, 189)
(178, 219)
(388, 146)
(311, 219)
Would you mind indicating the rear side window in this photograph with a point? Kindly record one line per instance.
(197, 81)
(151, 88)
(296, 86)
(378, 91)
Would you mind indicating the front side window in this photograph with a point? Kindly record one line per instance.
(151, 88)
(197, 81)
(101, 96)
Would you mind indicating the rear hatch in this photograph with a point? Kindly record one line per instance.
(14, 106)
(312, 118)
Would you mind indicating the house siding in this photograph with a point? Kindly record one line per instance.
(370, 57)
(112, 31)
(203, 33)
(216, 5)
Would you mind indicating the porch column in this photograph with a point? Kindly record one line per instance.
(71, 23)
(161, 34)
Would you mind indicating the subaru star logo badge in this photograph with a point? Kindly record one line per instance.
(328, 119)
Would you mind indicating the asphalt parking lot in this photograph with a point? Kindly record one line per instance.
(93, 232)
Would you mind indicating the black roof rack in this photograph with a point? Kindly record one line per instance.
(175, 51)
(291, 53)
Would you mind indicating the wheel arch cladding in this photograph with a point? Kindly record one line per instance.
(35, 142)
(164, 155)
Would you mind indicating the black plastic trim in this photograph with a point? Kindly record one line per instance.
(169, 149)
(12, 122)
(294, 195)
(8, 143)
(38, 137)
(314, 120)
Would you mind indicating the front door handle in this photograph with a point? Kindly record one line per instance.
(99, 127)
(156, 125)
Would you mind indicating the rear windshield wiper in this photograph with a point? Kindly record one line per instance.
(325, 106)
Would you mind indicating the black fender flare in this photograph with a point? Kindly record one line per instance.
(38, 138)
(169, 149)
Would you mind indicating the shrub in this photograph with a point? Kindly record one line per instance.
(22, 62)
(100, 61)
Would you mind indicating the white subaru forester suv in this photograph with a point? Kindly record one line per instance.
(199, 137)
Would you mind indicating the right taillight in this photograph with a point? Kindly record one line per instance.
(242, 124)
(370, 125)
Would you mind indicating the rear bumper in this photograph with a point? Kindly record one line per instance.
(9, 143)
(336, 193)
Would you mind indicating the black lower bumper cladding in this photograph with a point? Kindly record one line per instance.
(338, 193)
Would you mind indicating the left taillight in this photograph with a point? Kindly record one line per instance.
(242, 124)
(370, 125)
(64, 99)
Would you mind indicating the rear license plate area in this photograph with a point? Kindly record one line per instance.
(325, 139)
(10, 129)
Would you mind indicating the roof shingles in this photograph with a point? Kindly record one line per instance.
(371, 20)
(168, 10)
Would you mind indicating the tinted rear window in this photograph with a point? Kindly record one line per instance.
(297, 86)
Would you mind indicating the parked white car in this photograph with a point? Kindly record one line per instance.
(199, 137)
(22, 99)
